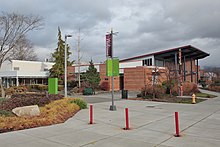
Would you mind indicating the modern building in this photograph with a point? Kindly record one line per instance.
(18, 72)
(136, 72)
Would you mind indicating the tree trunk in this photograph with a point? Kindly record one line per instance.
(2, 88)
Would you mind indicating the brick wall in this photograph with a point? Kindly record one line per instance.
(106, 81)
(136, 78)
(70, 73)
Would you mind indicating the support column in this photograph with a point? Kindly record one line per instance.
(176, 66)
(191, 70)
(7, 82)
(197, 70)
(184, 70)
(17, 82)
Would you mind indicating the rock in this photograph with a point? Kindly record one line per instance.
(8, 96)
(32, 110)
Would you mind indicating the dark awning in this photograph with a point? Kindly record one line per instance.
(187, 51)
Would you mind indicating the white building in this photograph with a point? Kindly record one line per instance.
(16, 72)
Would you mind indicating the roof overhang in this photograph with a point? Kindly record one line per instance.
(187, 52)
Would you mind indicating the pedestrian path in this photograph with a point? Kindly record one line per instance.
(152, 124)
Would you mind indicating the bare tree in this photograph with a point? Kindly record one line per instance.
(23, 50)
(171, 77)
(12, 28)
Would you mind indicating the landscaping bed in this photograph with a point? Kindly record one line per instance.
(170, 100)
(53, 109)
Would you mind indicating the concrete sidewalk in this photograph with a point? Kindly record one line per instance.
(152, 125)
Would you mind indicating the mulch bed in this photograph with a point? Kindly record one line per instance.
(169, 100)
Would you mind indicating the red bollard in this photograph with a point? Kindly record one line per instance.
(177, 124)
(126, 119)
(91, 114)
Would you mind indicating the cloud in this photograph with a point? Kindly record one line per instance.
(144, 26)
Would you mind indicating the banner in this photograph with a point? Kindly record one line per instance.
(112, 69)
(109, 45)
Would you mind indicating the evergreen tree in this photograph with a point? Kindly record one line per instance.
(92, 76)
(57, 69)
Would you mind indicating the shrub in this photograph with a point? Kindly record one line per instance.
(60, 87)
(87, 91)
(2, 100)
(72, 83)
(148, 92)
(6, 113)
(104, 86)
(171, 87)
(190, 88)
(75, 90)
(16, 89)
(81, 103)
(56, 112)
(214, 88)
(39, 87)
(19, 100)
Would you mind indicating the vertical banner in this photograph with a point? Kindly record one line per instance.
(109, 45)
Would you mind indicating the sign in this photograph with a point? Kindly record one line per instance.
(112, 69)
(109, 45)
(53, 85)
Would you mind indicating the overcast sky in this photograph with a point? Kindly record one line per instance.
(144, 26)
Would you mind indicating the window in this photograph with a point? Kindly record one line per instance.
(147, 62)
(16, 68)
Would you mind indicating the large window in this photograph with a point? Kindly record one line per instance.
(147, 62)
(16, 68)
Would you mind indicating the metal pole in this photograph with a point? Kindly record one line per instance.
(184, 58)
(197, 70)
(79, 59)
(65, 66)
(65, 72)
(112, 107)
(191, 70)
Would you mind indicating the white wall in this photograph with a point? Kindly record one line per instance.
(33, 66)
(6, 66)
(130, 64)
(83, 68)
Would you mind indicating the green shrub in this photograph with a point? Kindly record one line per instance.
(6, 113)
(87, 91)
(2, 100)
(81, 103)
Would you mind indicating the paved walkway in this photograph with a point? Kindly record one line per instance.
(152, 125)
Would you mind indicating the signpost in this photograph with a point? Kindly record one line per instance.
(112, 64)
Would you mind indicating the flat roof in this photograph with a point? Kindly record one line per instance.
(188, 51)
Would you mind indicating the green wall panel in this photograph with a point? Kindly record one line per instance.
(53, 85)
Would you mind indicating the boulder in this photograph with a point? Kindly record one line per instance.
(32, 110)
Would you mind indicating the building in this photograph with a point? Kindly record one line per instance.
(18, 72)
(136, 72)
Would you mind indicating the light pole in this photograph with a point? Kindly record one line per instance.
(65, 66)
